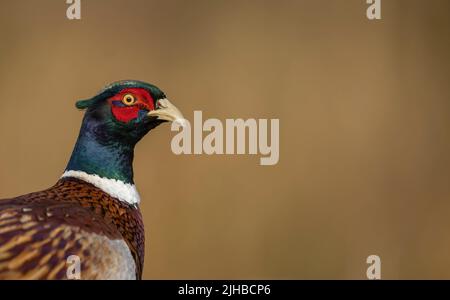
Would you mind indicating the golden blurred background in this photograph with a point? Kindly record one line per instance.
(364, 128)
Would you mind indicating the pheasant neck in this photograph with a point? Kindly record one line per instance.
(96, 153)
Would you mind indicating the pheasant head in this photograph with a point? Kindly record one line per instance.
(115, 120)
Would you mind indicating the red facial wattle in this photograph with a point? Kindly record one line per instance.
(125, 113)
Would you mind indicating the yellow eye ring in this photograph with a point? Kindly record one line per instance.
(128, 99)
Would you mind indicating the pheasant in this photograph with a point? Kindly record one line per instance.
(92, 212)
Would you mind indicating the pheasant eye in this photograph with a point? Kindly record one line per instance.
(128, 99)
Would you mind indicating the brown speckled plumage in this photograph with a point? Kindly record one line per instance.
(40, 230)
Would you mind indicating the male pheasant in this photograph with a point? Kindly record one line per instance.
(92, 212)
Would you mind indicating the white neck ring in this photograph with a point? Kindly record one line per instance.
(118, 189)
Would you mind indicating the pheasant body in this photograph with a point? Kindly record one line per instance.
(40, 230)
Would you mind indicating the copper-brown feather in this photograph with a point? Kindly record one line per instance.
(39, 231)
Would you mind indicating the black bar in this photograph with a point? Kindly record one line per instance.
(198, 289)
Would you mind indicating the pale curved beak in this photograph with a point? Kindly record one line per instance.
(167, 112)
